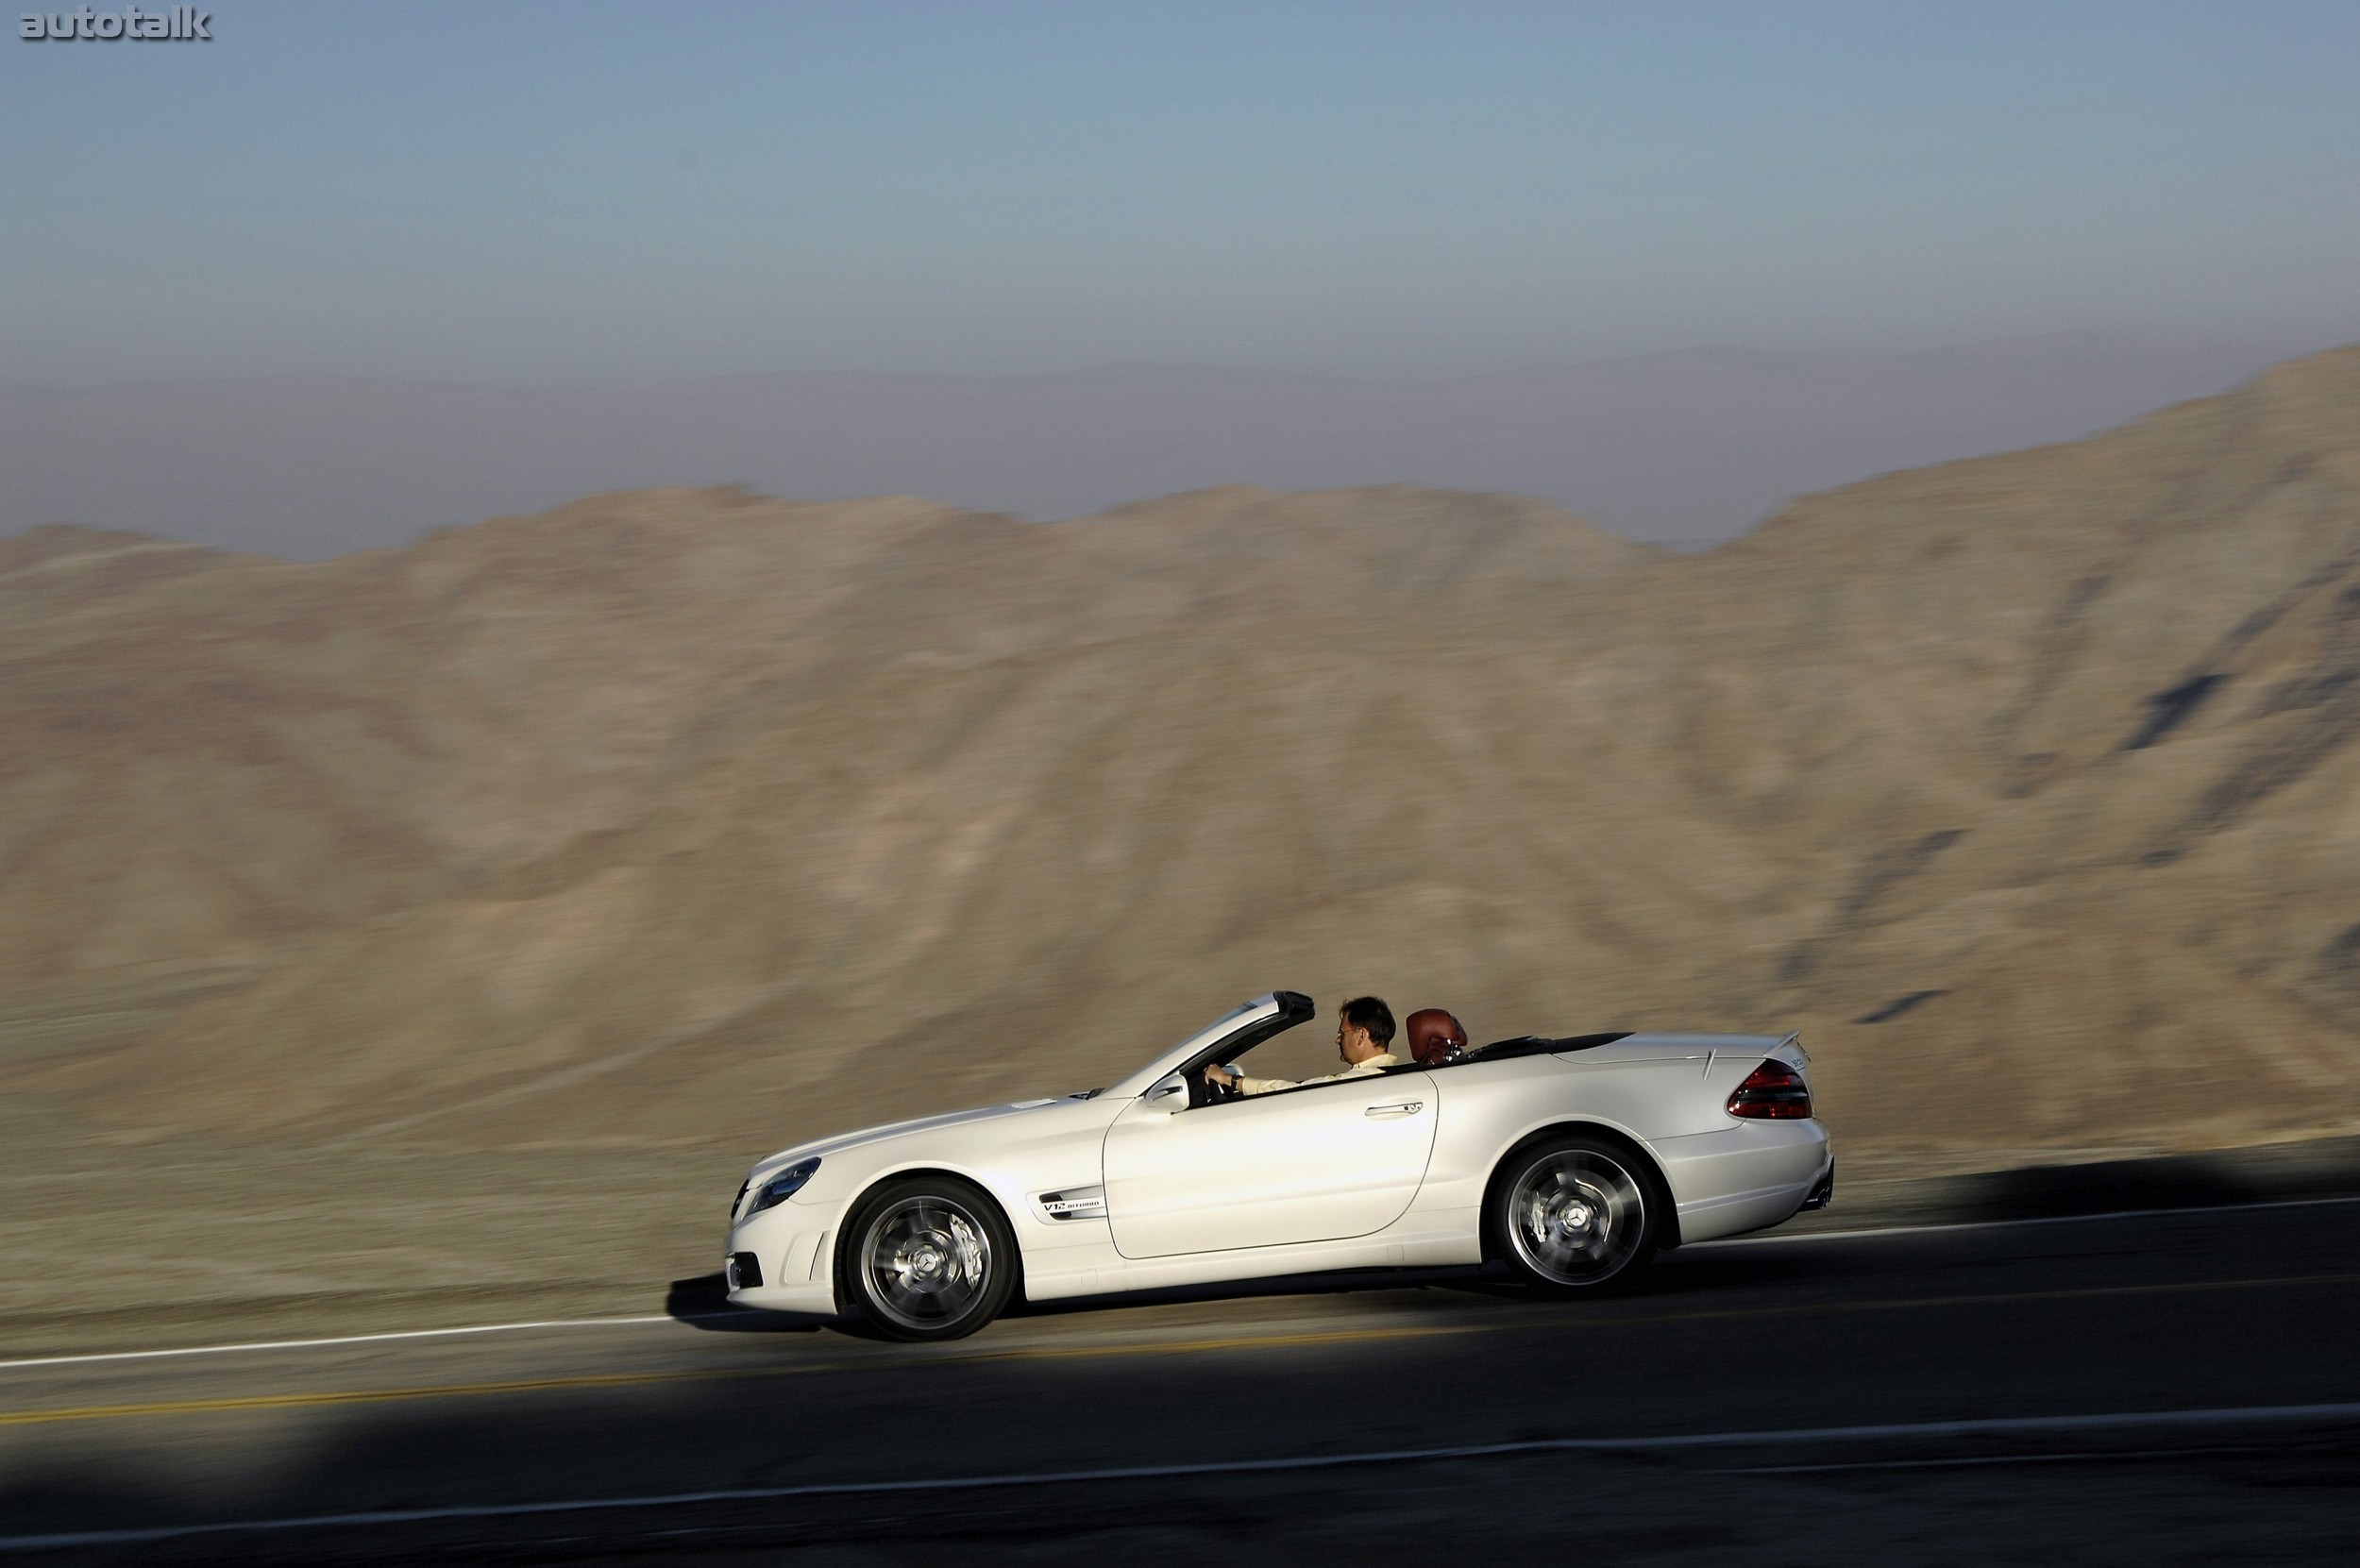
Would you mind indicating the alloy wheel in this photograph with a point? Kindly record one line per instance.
(1576, 1217)
(926, 1262)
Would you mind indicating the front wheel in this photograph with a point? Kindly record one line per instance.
(1572, 1214)
(928, 1258)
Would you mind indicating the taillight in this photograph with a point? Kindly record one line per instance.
(1773, 1091)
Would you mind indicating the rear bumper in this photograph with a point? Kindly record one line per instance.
(1751, 1175)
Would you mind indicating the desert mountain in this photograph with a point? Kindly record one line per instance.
(1693, 444)
(2025, 788)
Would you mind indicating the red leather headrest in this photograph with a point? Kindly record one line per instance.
(1434, 1035)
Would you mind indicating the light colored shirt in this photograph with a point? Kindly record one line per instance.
(1360, 1069)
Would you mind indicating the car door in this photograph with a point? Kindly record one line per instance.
(1315, 1164)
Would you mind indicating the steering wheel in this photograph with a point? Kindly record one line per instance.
(1205, 1090)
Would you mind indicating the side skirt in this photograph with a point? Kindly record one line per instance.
(1049, 1276)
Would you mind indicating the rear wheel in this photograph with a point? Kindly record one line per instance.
(928, 1257)
(1574, 1214)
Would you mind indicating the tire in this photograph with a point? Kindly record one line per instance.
(1573, 1215)
(927, 1257)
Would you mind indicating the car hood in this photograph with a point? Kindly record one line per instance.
(841, 1141)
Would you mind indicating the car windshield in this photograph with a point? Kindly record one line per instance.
(1227, 1020)
(1307, 1051)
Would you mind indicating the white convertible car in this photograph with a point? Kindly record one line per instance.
(1570, 1161)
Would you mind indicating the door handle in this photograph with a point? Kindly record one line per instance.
(1399, 1107)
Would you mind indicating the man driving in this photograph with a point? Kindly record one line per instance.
(1364, 1033)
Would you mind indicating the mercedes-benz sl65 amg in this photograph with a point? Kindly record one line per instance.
(1568, 1161)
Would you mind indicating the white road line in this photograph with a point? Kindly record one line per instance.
(1790, 1240)
(2126, 1421)
(697, 1317)
(1971, 1461)
(347, 1339)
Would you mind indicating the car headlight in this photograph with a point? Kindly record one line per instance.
(782, 1186)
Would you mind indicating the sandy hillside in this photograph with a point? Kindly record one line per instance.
(2024, 787)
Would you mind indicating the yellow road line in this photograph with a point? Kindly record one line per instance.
(346, 1396)
(2079, 1292)
(1152, 1347)
(1238, 1341)
(624, 1379)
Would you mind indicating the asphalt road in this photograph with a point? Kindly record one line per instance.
(2051, 1388)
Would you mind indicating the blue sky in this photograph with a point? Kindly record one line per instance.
(589, 193)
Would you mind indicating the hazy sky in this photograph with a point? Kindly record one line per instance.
(588, 193)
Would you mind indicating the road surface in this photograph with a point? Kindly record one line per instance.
(2168, 1387)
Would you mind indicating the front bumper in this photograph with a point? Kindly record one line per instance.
(783, 1260)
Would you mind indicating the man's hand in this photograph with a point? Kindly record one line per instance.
(1215, 1074)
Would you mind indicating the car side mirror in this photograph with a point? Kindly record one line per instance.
(1167, 1095)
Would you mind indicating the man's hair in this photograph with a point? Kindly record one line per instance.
(1370, 1013)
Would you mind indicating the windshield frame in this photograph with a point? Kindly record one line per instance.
(1263, 1018)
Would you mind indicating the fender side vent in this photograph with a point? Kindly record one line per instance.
(1075, 1202)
